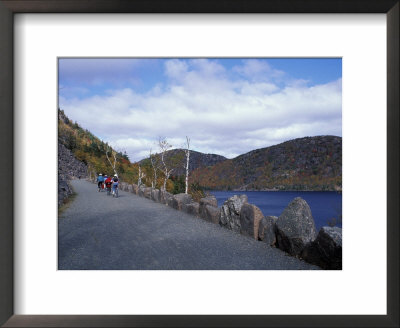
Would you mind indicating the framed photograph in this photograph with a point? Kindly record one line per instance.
(220, 180)
(52, 46)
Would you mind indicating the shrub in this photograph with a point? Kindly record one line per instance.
(196, 191)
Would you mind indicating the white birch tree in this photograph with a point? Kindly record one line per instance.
(154, 165)
(164, 147)
(187, 153)
(113, 153)
(141, 175)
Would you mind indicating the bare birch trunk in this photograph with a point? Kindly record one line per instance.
(187, 165)
(114, 154)
(164, 146)
(165, 172)
(140, 177)
(154, 165)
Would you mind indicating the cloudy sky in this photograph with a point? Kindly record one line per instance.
(225, 106)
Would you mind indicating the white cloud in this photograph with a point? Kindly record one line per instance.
(176, 68)
(257, 70)
(220, 115)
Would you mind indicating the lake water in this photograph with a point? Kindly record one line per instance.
(324, 204)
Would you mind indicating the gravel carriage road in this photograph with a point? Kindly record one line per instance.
(99, 232)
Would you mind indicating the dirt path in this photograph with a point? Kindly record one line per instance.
(99, 232)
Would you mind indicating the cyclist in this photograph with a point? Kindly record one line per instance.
(104, 182)
(115, 182)
(108, 182)
(100, 180)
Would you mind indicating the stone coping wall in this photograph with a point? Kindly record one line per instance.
(293, 231)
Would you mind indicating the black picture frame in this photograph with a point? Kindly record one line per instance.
(10, 7)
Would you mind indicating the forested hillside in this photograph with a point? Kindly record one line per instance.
(92, 151)
(310, 163)
(196, 160)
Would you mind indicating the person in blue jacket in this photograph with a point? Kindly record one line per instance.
(100, 180)
(115, 182)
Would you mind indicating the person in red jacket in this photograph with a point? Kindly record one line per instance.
(108, 182)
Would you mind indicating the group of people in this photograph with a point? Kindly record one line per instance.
(108, 182)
